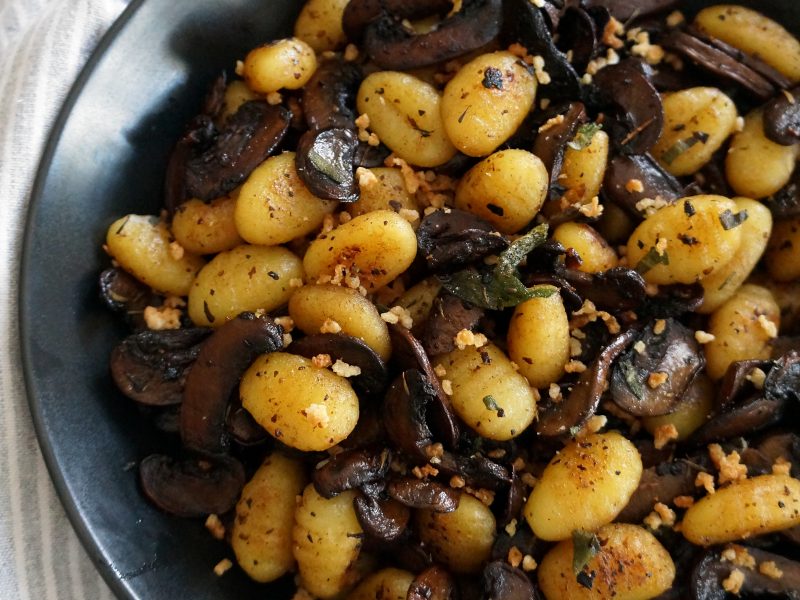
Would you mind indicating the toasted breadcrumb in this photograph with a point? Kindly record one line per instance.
(634, 186)
(317, 415)
(650, 206)
(770, 569)
(683, 501)
(663, 435)
(514, 557)
(287, 339)
(542, 76)
(551, 122)
(781, 466)
(655, 380)
(285, 323)
(366, 178)
(592, 209)
(342, 369)
(447, 386)
(528, 479)
(529, 563)
(485, 496)
(705, 480)
(322, 361)
(757, 378)
(274, 98)
(162, 317)
(215, 527)
(611, 34)
(554, 391)
(666, 513)
(768, 326)
(738, 555)
(733, 582)
(424, 471)
(675, 18)
(659, 326)
(351, 52)
(653, 521)
(440, 371)
(330, 326)
(511, 527)
(457, 482)
(640, 346)
(398, 314)
(465, 338)
(222, 567)
(574, 366)
(176, 251)
(703, 337)
(728, 465)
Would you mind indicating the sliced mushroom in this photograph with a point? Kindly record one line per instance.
(501, 580)
(551, 142)
(672, 301)
(424, 494)
(193, 487)
(374, 375)
(581, 403)
(656, 182)
(325, 161)
(208, 163)
(526, 24)
(735, 386)
(710, 571)
(477, 471)
(404, 407)
(243, 428)
(329, 97)
(449, 315)
(222, 360)
(783, 379)
(382, 520)
(650, 380)
(453, 239)
(392, 46)
(151, 366)
(762, 455)
(577, 32)
(617, 289)
(742, 418)
(660, 484)
(434, 583)
(408, 353)
(350, 469)
(514, 500)
(782, 118)
(360, 13)
(785, 203)
(639, 116)
(125, 294)
(622, 10)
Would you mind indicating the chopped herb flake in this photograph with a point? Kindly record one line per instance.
(682, 146)
(493, 78)
(585, 546)
(490, 403)
(328, 166)
(650, 260)
(583, 137)
(520, 248)
(730, 220)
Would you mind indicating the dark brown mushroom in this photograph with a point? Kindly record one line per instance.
(711, 570)
(424, 494)
(513, 501)
(672, 301)
(785, 203)
(742, 418)
(526, 24)
(616, 289)
(404, 407)
(354, 351)
(622, 10)
(350, 469)
(151, 366)
(501, 580)
(193, 487)
(208, 163)
(783, 379)
(656, 182)
(448, 316)
(660, 484)
(243, 428)
(360, 13)
(715, 60)
(782, 118)
(476, 470)
(735, 386)
(551, 142)
(762, 455)
(434, 583)
(382, 520)
(408, 353)
(329, 97)
(672, 352)
(638, 116)
(222, 360)
(577, 32)
(455, 238)
(581, 403)
(392, 46)
(123, 293)
(325, 161)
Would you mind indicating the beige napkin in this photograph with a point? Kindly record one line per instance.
(43, 45)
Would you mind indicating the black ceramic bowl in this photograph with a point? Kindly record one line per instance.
(106, 158)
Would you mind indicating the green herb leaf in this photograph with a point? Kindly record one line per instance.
(583, 137)
(585, 546)
(494, 290)
(632, 375)
(650, 260)
(681, 146)
(730, 220)
(329, 166)
(520, 248)
(490, 403)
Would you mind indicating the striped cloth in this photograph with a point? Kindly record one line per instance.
(43, 44)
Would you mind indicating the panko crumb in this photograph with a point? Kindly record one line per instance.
(287, 339)
(768, 326)
(634, 186)
(274, 98)
(174, 302)
(612, 33)
(650, 206)
(656, 380)
(552, 122)
(663, 435)
(703, 337)
(594, 424)
(330, 326)
(706, 481)
(529, 563)
(683, 501)
(322, 361)
(424, 471)
(465, 338)
(665, 512)
(728, 465)
(733, 582)
(652, 53)
(447, 386)
(554, 392)
(457, 482)
(286, 323)
(440, 371)
(588, 313)
(398, 314)
(652, 521)
(434, 450)
(738, 125)
(496, 453)
(484, 495)
(511, 527)
(640, 346)
(409, 214)
(529, 479)
(222, 567)
(176, 251)
(757, 378)
(599, 63)
(317, 415)
(781, 466)
(342, 369)
(215, 527)
(542, 76)
(659, 326)
(739, 556)
(574, 366)
(675, 18)
(351, 52)
(770, 569)
(162, 317)
(592, 209)
(514, 557)
(366, 178)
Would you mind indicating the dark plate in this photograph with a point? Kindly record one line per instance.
(106, 158)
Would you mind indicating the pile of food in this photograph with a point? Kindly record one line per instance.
(483, 299)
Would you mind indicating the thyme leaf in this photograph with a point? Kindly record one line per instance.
(730, 220)
(585, 546)
(650, 260)
(583, 137)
